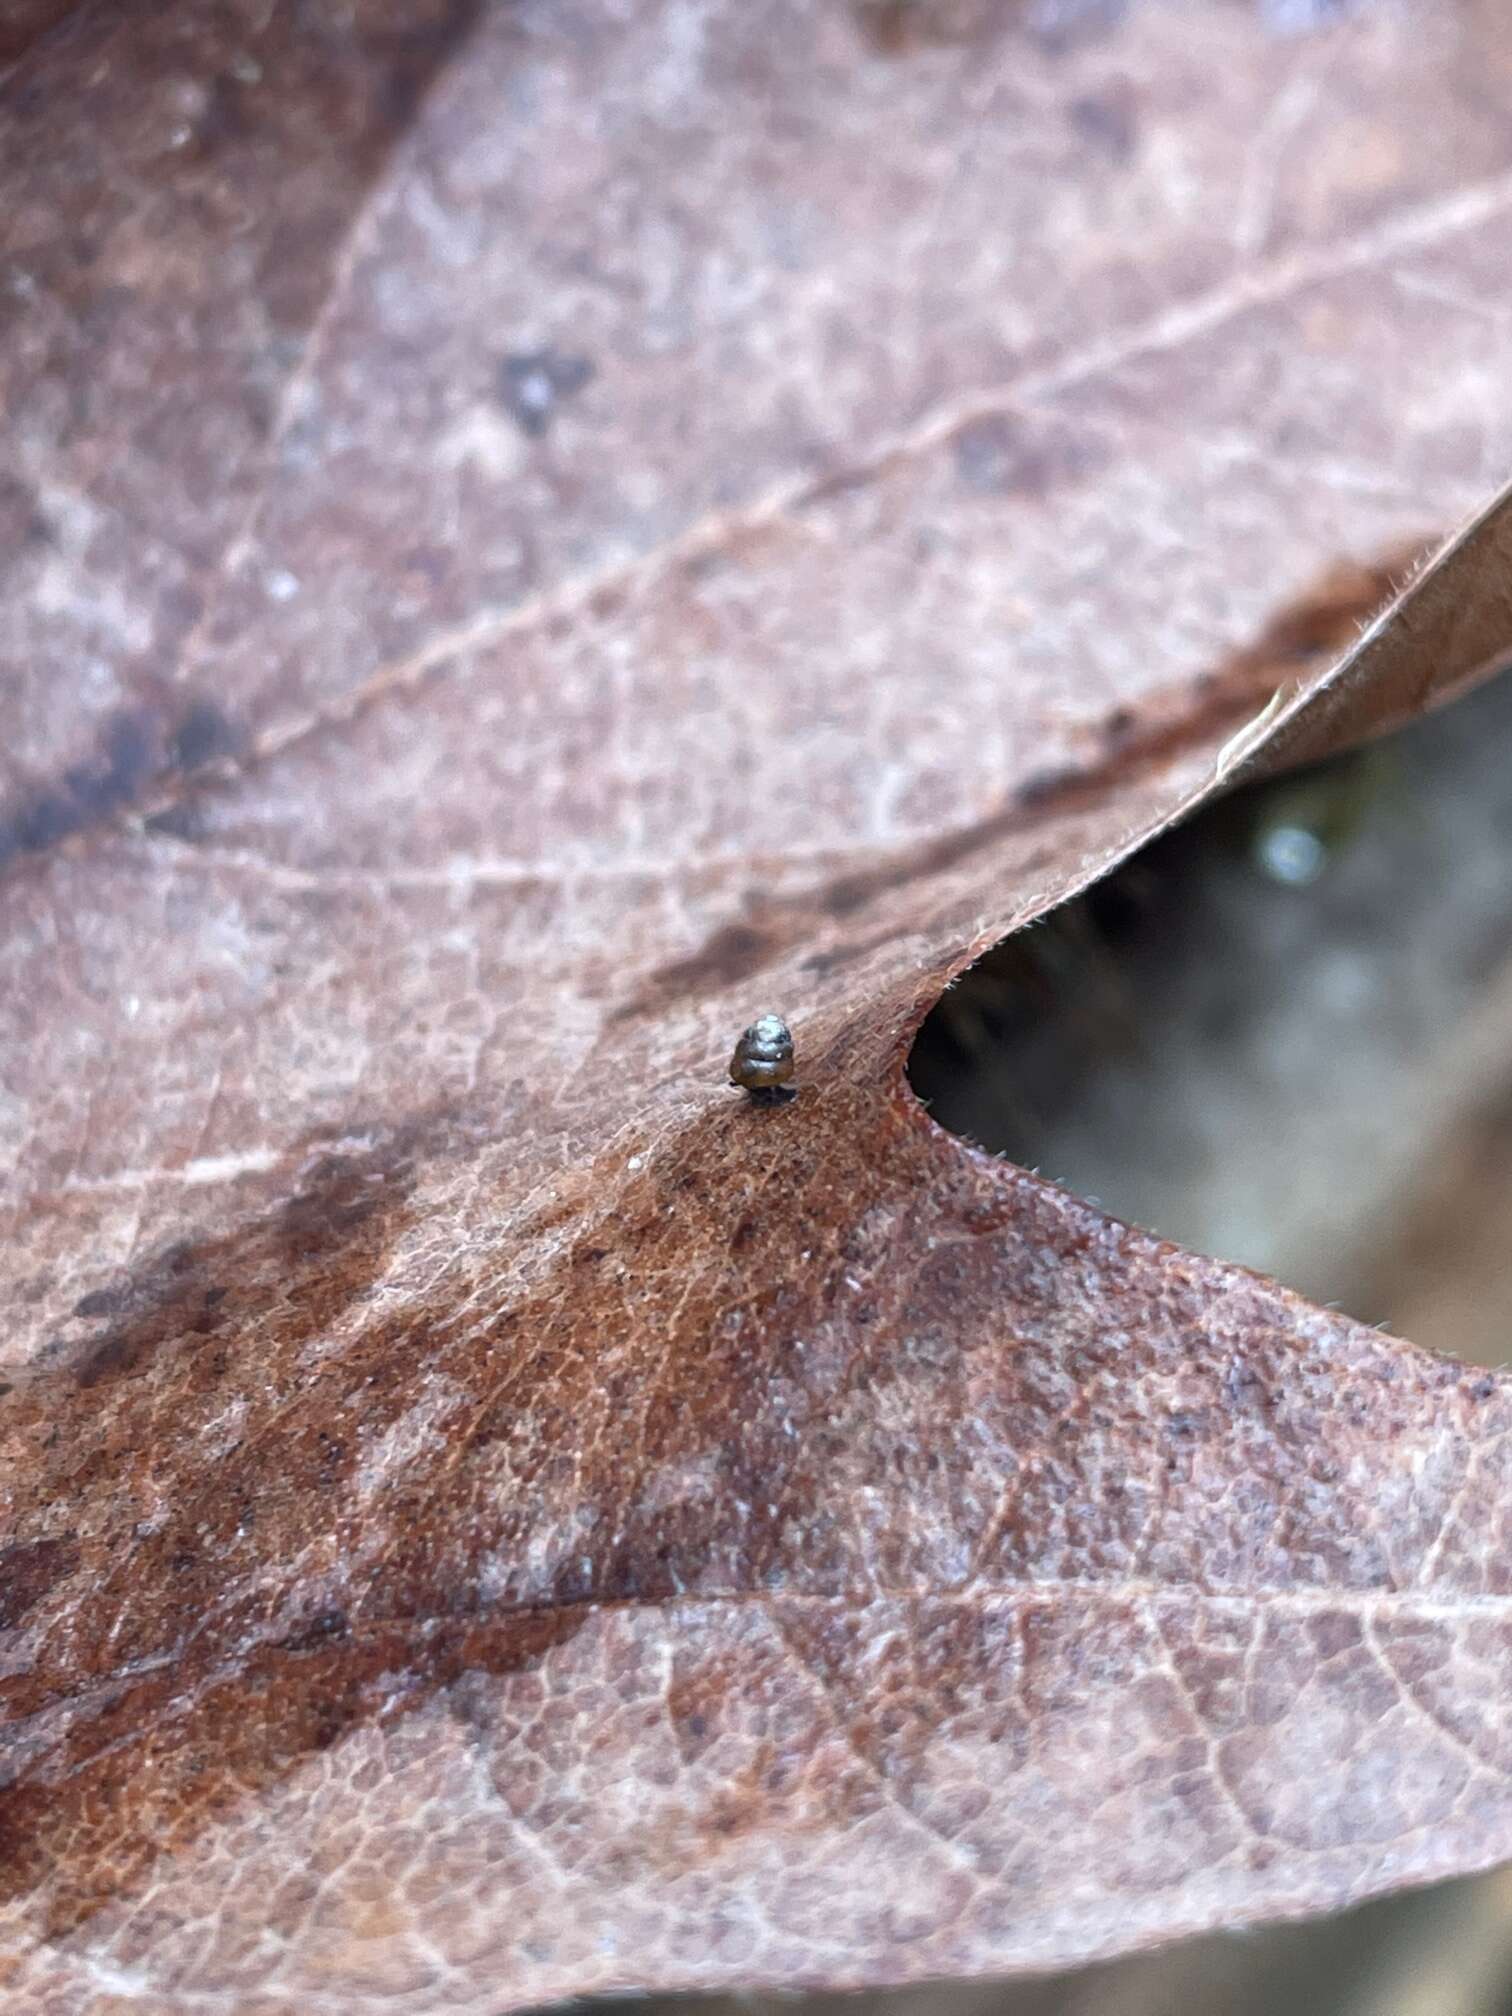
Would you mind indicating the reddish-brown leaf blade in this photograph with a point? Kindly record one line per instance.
(550, 537)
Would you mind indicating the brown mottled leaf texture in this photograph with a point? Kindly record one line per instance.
(537, 533)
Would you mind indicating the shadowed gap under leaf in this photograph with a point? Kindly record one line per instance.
(1282, 1033)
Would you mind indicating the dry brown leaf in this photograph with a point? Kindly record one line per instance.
(536, 534)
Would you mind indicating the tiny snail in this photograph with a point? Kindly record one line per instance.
(763, 1062)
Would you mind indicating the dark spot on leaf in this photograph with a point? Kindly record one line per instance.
(732, 953)
(320, 1630)
(1107, 122)
(129, 761)
(176, 822)
(845, 954)
(903, 27)
(28, 1572)
(534, 383)
(999, 454)
(310, 1258)
(22, 525)
(1244, 1388)
(100, 1302)
(89, 792)
(47, 819)
(1043, 787)
(203, 734)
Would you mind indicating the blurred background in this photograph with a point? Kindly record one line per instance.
(1282, 1034)
(1442, 1952)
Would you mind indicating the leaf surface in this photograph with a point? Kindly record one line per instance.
(541, 533)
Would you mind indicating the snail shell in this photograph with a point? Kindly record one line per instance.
(763, 1059)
